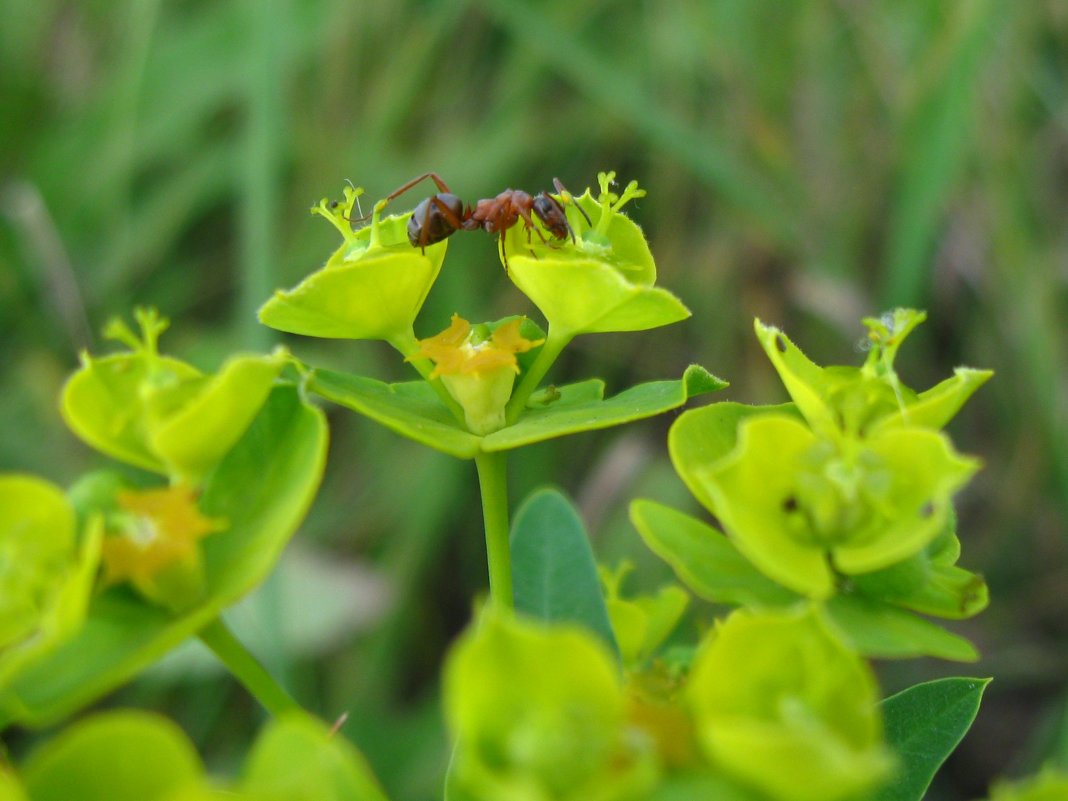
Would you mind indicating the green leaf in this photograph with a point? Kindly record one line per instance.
(704, 559)
(570, 414)
(923, 725)
(929, 583)
(412, 410)
(296, 758)
(880, 630)
(262, 488)
(118, 756)
(553, 570)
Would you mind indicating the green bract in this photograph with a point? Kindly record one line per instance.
(641, 624)
(865, 400)
(137, 756)
(604, 281)
(781, 704)
(372, 287)
(801, 507)
(162, 414)
(46, 574)
(843, 495)
(537, 713)
(1050, 785)
(261, 489)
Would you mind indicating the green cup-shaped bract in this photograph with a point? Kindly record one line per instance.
(642, 623)
(128, 755)
(164, 415)
(119, 756)
(1050, 785)
(782, 705)
(600, 281)
(863, 400)
(46, 575)
(366, 290)
(297, 757)
(790, 499)
(537, 713)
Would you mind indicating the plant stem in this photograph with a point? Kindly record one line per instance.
(493, 482)
(246, 668)
(407, 345)
(533, 376)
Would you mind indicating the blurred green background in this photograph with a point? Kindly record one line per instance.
(809, 163)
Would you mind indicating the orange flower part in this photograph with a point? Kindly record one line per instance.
(162, 529)
(453, 352)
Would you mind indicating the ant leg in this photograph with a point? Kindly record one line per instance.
(433, 176)
(504, 251)
(529, 224)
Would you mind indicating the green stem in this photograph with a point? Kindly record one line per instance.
(493, 482)
(407, 345)
(246, 668)
(533, 376)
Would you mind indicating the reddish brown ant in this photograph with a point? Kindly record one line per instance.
(441, 215)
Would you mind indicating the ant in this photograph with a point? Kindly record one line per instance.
(441, 215)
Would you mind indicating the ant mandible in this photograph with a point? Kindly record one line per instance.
(441, 215)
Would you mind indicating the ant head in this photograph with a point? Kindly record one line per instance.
(551, 213)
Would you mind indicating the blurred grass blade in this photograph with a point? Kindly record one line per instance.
(937, 140)
(620, 93)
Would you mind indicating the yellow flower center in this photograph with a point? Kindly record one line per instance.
(161, 527)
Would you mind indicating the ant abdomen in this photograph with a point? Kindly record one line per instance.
(435, 219)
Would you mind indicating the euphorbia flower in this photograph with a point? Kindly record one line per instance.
(604, 280)
(46, 570)
(160, 413)
(153, 543)
(372, 286)
(780, 703)
(478, 367)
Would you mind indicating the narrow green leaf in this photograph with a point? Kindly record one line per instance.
(553, 571)
(703, 558)
(563, 417)
(262, 488)
(923, 725)
(883, 631)
(410, 409)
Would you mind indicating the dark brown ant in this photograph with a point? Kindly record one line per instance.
(441, 215)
